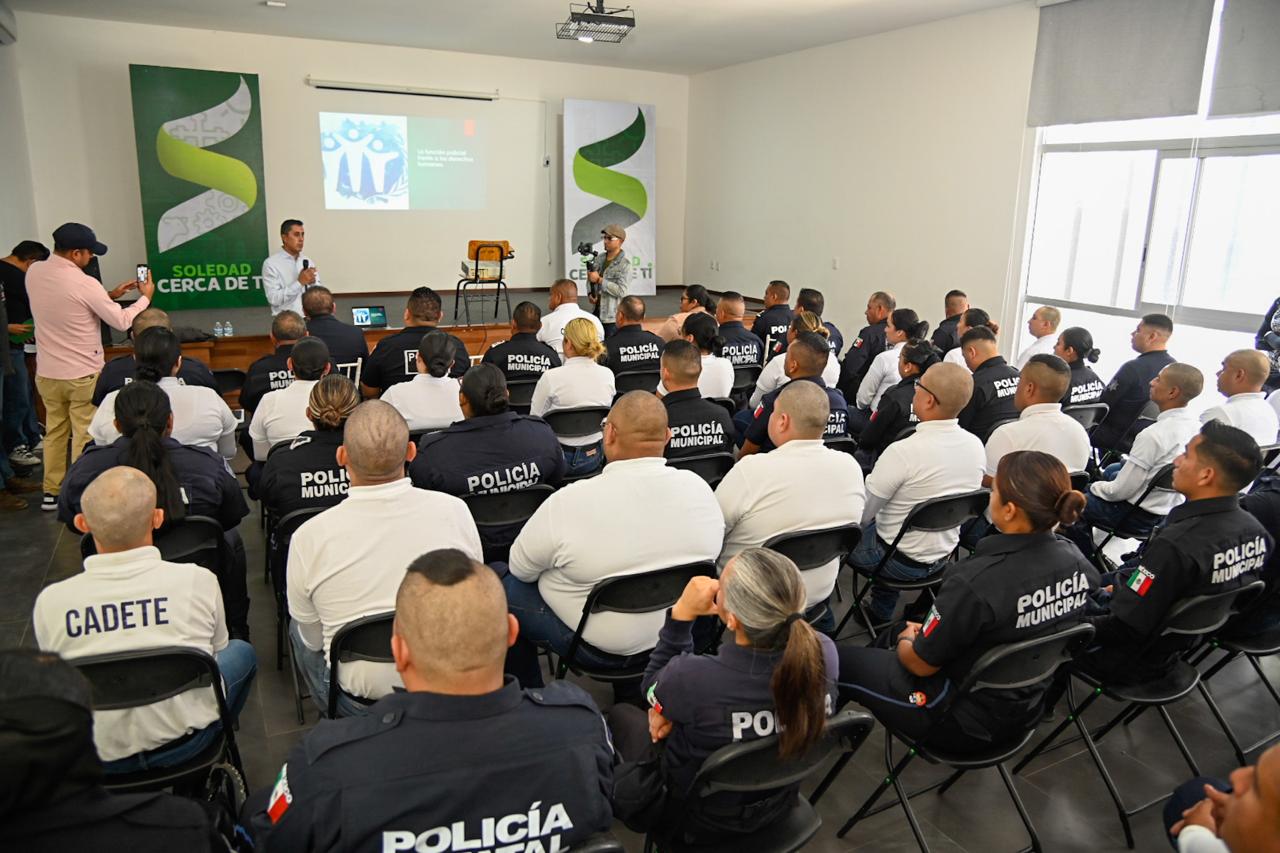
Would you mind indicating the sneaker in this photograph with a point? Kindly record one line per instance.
(39, 447)
(23, 456)
(10, 502)
(50, 502)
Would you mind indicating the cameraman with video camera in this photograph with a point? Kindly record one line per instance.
(608, 278)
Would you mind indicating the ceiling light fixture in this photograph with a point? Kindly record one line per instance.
(591, 23)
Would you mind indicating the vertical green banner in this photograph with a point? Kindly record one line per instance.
(199, 139)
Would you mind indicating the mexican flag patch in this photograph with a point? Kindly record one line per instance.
(931, 621)
(1140, 581)
(653, 697)
(281, 797)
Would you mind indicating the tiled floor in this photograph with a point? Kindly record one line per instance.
(1062, 790)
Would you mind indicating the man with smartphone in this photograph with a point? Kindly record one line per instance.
(287, 273)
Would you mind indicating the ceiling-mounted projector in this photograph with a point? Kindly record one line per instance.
(596, 23)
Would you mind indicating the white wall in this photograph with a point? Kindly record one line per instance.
(79, 127)
(17, 213)
(898, 154)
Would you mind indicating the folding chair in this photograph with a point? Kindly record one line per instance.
(576, 423)
(1088, 415)
(278, 539)
(352, 370)
(711, 467)
(478, 253)
(726, 403)
(520, 394)
(501, 511)
(934, 515)
(1192, 617)
(744, 377)
(134, 679)
(642, 592)
(637, 380)
(753, 766)
(367, 639)
(1163, 479)
(843, 443)
(1080, 481)
(229, 380)
(195, 539)
(1007, 667)
(1252, 649)
(813, 549)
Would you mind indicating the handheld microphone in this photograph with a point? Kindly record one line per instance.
(305, 264)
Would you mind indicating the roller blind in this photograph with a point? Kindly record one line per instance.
(1247, 78)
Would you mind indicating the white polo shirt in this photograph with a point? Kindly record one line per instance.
(956, 356)
(1041, 426)
(201, 418)
(802, 485)
(1153, 448)
(881, 376)
(1250, 412)
(576, 383)
(773, 377)
(134, 600)
(280, 416)
(566, 557)
(553, 323)
(1040, 346)
(426, 401)
(280, 281)
(348, 562)
(938, 460)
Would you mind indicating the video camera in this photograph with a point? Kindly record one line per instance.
(589, 254)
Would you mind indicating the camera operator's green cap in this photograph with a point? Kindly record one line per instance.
(614, 231)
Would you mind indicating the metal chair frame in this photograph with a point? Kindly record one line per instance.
(365, 639)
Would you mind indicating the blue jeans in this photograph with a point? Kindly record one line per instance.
(583, 460)
(20, 426)
(867, 556)
(315, 672)
(6, 470)
(238, 664)
(540, 626)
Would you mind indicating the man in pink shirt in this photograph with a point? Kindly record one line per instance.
(66, 305)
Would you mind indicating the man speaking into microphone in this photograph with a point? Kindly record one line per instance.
(287, 273)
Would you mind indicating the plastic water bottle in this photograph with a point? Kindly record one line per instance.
(226, 329)
(217, 329)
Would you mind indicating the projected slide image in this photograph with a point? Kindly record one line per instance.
(374, 162)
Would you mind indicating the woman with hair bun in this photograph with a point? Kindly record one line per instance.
(970, 319)
(1023, 583)
(1075, 347)
(773, 671)
(493, 450)
(895, 413)
(430, 399)
(304, 473)
(580, 381)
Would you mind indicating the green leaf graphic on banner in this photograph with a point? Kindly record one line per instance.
(629, 200)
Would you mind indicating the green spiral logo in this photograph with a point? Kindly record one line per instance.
(181, 150)
(626, 195)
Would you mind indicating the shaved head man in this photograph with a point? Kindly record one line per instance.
(697, 425)
(741, 345)
(947, 390)
(1043, 326)
(805, 360)
(120, 370)
(119, 510)
(1041, 424)
(636, 427)
(564, 307)
(1240, 380)
(375, 444)
(800, 412)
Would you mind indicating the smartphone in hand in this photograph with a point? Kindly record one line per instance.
(143, 270)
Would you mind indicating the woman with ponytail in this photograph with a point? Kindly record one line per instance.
(773, 377)
(903, 325)
(895, 413)
(430, 399)
(1075, 347)
(773, 674)
(304, 473)
(493, 450)
(1023, 583)
(970, 319)
(580, 381)
(716, 379)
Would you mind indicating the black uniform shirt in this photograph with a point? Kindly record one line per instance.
(266, 374)
(532, 768)
(346, 343)
(14, 281)
(632, 348)
(834, 338)
(994, 384)
(98, 820)
(837, 421)
(394, 359)
(1127, 394)
(894, 414)
(741, 346)
(697, 426)
(208, 488)
(1086, 387)
(715, 700)
(869, 344)
(304, 473)
(522, 357)
(121, 370)
(1014, 587)
(1206, 546)
(771, 327)
(947, 336)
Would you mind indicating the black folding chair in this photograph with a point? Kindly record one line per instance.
(1008, 667)
(1252, 649)
(813, 549)
(495, 512)
(142, 677)
(745, 377)
(726, 403)
(754, 766)
(1192, 617)
(1163, 479)
(520, 394)
(368, 639)
(195, 539)
(229, 379)
(642, 592)
(636, 380)
(1080, 481)
(576, 423)
(711, 467)
(1088, 415)
(278, 538)
(843, 443)
(934, 515)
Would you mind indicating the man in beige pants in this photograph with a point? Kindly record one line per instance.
(66, 305)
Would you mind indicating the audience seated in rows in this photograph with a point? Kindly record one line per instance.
(1043, 326)
(346, 343)
(563, 307)
(1127, 393)
(895, 412)
(120, 370)
(393, 359)
(773, 376)
(741, 346)
(1075, 347)
(272, 372)
(305, 474)
(805, 359)
(697, 426)
(869, 343)
(630, 347)
(523, 356)
(994, 383)
(281, 416)
(580, 381)
(1240, 380)
(430, 399)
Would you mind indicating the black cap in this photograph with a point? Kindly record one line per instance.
(73, 235)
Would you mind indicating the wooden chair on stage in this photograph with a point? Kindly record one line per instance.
(484, 266)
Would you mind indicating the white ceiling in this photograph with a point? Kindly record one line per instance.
(675, 36)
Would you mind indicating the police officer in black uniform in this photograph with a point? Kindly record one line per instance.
(806, 357)
(1019, 585)
(271, 372)
(52, 799)
(995, 383)
(741, 346)
(394, 359)
(1263, 503)
(697, 426)
(812, 300)
(895, 412)
(1130, 390)
(305, 474)
(631, 347)
(346, 343)
(120, 370)
(1075, 347)
(463, 758)
(772, 323)
(493, 449)
(947, 336)
(523, 356)
(869, 343)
